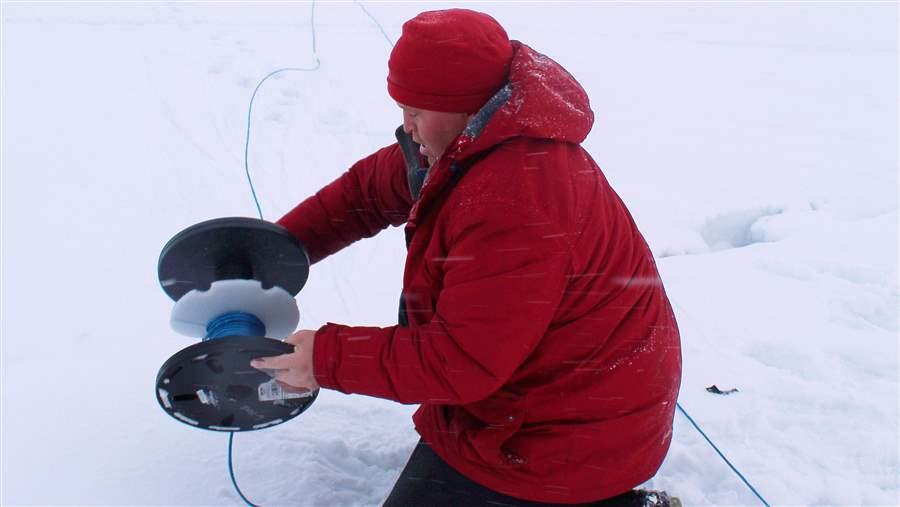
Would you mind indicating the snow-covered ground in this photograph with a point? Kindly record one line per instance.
(755, 143)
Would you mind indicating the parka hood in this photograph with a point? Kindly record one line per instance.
(541, 100)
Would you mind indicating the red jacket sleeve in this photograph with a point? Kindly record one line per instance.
(371, 195)
(502, 286)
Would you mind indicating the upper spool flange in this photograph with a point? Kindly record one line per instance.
(232, 248)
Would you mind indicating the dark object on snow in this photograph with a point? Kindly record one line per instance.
(658, 499)
(715, 390)
(211, 384)
(429, 480)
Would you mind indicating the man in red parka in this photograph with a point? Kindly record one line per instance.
(534, 329)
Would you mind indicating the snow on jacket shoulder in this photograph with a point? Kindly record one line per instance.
(540, 342)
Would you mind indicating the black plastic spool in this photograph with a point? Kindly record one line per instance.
(211, 384)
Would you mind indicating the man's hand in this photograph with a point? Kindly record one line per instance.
(293, 371)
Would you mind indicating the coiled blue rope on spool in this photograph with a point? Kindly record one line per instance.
(234, 324)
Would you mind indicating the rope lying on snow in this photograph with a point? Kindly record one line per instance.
(739, 474)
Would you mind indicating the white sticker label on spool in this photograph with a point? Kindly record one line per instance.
(272, 391)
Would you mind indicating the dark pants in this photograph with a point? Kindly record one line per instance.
(428, 481)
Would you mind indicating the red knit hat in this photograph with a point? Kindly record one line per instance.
(452, 61)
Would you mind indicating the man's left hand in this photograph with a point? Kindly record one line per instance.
(293, 371)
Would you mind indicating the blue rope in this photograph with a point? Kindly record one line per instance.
(234, 324)
(312, 22)
(739, 474)
(383, 32)
(249, 117)
(231, 472)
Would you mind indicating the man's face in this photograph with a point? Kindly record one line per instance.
(433, 130)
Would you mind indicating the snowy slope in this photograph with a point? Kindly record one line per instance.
(755, 143)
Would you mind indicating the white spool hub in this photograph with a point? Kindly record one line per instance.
(275, 307)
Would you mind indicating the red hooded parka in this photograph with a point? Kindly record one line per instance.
(540, 342)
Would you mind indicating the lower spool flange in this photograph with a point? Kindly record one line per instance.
(211, 385)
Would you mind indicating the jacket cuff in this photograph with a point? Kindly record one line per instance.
(326, 351)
